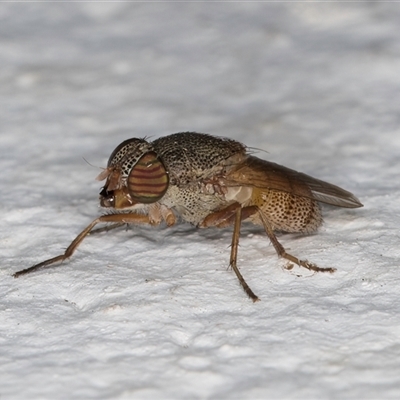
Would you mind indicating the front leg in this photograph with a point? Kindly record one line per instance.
(116, 218)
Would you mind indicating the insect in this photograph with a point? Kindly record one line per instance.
(208, 181)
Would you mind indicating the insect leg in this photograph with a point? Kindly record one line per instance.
(117, 218)
(106, 228)
(233, 214)
(227, 216)
(282, 252)
(234, 252)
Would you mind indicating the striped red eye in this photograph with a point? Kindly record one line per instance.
(148, 180)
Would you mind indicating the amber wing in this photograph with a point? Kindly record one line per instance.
(264, 174)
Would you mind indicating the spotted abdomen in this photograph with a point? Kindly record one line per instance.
(148, 180)
(287, 212)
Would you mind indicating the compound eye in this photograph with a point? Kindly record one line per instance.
(148, 180)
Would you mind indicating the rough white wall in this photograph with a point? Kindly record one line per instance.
(154, 312)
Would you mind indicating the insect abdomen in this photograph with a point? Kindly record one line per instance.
(288, 212)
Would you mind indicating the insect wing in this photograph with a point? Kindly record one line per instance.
(265, 174)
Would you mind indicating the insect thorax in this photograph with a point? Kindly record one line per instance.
(190, 157)
(192, 160)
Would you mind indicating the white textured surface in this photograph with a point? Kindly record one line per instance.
(153, 313)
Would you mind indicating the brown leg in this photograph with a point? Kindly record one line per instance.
(106, 228)
(117, 218)
(227, 216)
(234, 252)
(233, 214)
(282, 252)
